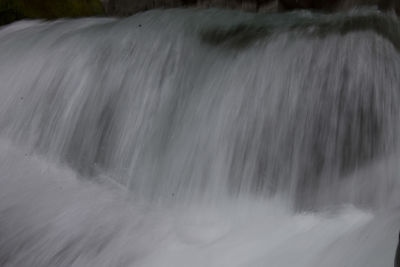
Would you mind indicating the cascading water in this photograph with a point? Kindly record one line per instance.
(200, 138)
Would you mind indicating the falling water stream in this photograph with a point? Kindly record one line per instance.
(192, 138)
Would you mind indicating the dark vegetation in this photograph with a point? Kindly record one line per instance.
(12, 10)
(128, 7)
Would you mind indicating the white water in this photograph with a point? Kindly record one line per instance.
(152, 145)
(51, 219)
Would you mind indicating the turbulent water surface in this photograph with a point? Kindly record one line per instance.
(201, 138)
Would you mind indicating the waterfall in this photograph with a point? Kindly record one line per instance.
(189, 137)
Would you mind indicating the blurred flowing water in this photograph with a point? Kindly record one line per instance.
(201, 138)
